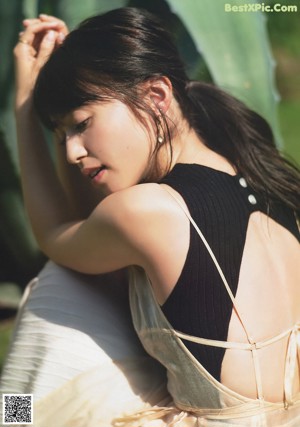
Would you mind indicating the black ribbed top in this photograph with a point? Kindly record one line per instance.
(220, 204)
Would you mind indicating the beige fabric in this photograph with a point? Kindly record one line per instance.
(74, 348)
(98, 396)
(199, 399)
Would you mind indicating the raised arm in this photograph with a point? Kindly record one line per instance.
(81, 196)
(104, 241)
(37, 171)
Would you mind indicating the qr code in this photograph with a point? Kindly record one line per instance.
(17, 409)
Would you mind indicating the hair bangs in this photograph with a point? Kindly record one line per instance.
(62, 87)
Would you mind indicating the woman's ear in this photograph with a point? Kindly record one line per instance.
(159, 93)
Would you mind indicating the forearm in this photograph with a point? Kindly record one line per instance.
(44, 197)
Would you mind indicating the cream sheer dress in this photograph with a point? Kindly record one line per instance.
(74, 348)
(199, 399)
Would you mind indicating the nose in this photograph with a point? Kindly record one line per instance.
(75, 150)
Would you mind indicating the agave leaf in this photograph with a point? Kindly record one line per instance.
(236, 49)
(74, 11)
(10, 22)
(30, 8)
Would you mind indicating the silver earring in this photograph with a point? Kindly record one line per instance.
(160, 139)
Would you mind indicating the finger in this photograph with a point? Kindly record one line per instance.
(60, 38)
(39, 27)
(47, 46)
(49, 18)
(32, 35)
(24, 46)
(30, 21)
(44, 18)
(24, 50)
(61, 28)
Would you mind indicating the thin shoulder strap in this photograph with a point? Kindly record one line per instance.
(212, 255)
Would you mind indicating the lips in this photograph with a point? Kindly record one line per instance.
(95, 172)
(92, 172)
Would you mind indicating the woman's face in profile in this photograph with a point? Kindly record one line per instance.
(108, 143)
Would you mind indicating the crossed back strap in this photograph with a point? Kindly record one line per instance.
(252, 345)
(293, 332)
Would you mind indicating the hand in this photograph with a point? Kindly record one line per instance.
(41, 36)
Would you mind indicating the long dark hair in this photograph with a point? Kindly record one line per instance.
(111, 55)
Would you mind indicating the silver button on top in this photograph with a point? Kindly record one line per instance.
(243, 182)
(252, 199)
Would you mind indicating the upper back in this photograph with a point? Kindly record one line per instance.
(258, 254)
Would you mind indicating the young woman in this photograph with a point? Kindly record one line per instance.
(197, 204)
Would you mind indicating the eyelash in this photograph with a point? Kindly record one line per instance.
(78, 129)
(81, 126)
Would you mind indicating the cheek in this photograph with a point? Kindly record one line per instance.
(133, 140)
(121, 137)
(140, 147)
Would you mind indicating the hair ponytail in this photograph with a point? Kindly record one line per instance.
(243, 137)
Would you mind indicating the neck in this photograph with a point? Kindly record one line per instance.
(189, 148)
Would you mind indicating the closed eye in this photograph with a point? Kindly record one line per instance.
(76, 129)
(81, 126)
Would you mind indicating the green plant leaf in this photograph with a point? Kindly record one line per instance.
(236, 49)
(10, 25)
(30, 8)
(74, 11)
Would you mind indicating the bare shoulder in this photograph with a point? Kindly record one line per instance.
(157, 228)
(137, 201)
(143, 213)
